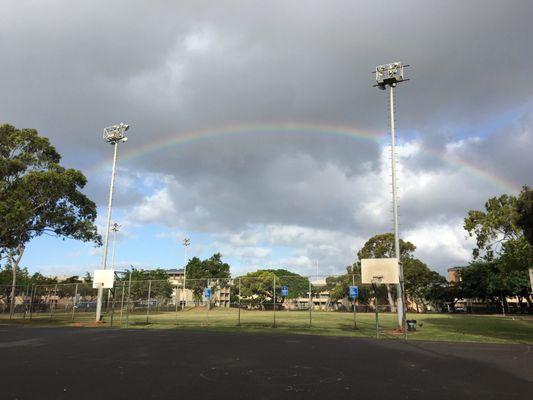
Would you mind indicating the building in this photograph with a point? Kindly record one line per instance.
(219, 298)
(454, 274)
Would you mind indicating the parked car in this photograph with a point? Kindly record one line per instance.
(86, 306)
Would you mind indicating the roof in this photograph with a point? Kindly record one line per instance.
(174, 271)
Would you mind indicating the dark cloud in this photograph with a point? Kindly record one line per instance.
(70, 69)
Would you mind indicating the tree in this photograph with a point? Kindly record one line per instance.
(338, 286)
(201, 273)
(494, 226)
(38, 196)
(501, 230)
(444, 296)
(490, 281)
(160, 288)
(258, 287)
(420, 281)
(382, 246)
(524, 206)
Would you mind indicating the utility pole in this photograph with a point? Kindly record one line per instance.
(389, 75)
(115, 228)
(113, 135)
(186, 244)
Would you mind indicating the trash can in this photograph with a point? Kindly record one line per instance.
(411, 324)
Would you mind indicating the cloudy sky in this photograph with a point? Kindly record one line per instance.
(255, 129)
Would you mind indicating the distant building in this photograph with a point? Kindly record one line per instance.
(454, 274)
(220, 296)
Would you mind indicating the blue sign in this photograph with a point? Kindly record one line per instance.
(284, 291)
(207, 292)
(354, 292)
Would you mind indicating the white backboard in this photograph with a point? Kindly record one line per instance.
(103, 278)
(379, 270)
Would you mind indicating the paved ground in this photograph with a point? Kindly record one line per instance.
(84, 363)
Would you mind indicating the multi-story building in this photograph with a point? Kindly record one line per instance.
(454, 274)
(219, 298)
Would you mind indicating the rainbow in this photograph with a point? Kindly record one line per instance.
(183, 138)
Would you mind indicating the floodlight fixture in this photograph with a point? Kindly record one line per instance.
(390, 74)
(115, 133)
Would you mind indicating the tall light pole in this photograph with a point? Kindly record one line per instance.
(113, 135)
(389, 75)
(115, 228)
(186, 243)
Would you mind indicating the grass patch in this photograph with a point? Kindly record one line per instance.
(439, 327)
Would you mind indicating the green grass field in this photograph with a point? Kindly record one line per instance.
(444, 327)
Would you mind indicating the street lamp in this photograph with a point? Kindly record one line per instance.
(186, 243)
(389, 75)
(113, 135)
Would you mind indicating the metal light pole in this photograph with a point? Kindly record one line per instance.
(389, 75)
(115, 228)
(186, 243)
(113, 135)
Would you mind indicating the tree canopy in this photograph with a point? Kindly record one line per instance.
(38, 196)
(160, 288)
(502, 230)
(257, 287)
(524, 206)
(200, 273)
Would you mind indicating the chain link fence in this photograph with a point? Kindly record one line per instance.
(251, 301)
(263, 301)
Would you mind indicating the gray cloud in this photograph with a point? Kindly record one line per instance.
(70, 69)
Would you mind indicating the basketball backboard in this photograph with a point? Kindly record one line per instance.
(379, 270)
(104, 278)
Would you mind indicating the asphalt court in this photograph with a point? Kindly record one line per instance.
(93, 363)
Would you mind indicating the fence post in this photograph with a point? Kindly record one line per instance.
(107, 302)
(52, 304)
(113, 304)
(274, 301)
(31, 300)
(310, 303)
(74, 301)
(128, 305)
(149, 295)
(122, 302)
(239, 304)
(26, 301)
(377, 311)
(176, 301)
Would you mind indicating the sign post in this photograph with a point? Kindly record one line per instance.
(354, 294)
(207, 295)
(284, 294)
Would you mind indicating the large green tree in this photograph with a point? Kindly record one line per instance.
(38, 196)
(212, 272)
(524, 206)
(257, 287)
(492, 282)
(160, 288)
(420, 282)
(501, 231)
